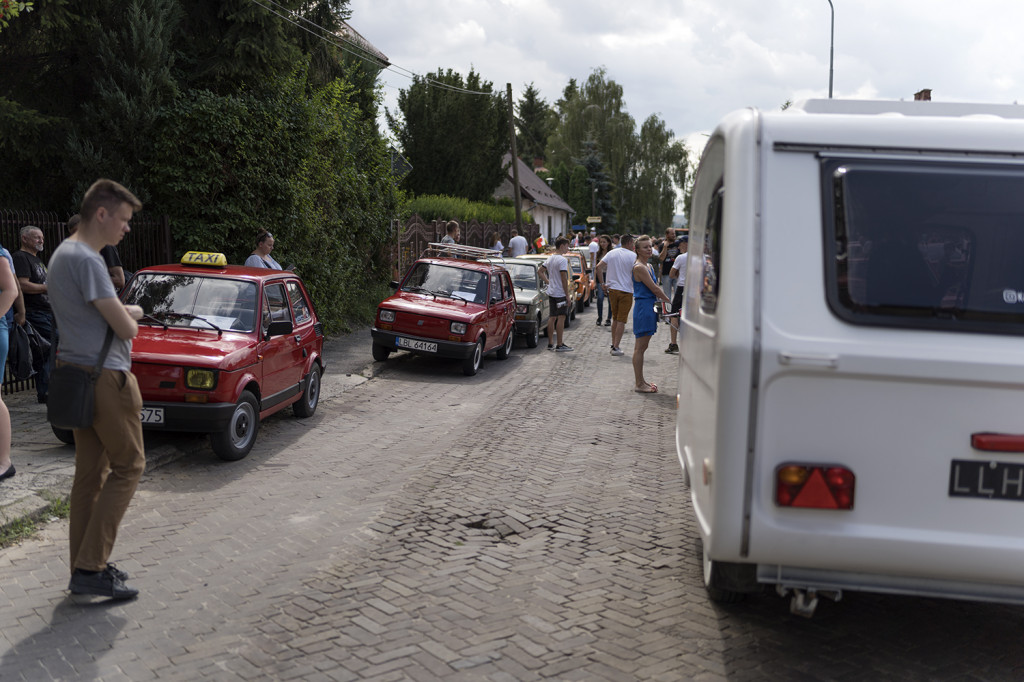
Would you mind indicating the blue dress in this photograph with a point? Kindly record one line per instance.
(645, 316)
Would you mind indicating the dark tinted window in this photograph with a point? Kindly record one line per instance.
(935, 245)
(712, 252)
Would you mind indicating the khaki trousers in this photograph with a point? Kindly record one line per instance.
(109, 460)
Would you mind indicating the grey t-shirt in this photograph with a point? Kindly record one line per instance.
(77, 277)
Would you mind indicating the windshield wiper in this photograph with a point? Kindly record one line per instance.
(151, 318)
(190, 316)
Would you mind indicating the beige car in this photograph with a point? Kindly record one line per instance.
(540, 258)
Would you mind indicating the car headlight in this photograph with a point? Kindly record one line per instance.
(522, 308)
(202, 379)
(387, 315)
(458, 327)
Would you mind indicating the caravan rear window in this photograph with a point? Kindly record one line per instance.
(935, 245)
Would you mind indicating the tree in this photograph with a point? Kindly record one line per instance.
(10, 9)
(454, 137)
(661, 166)
(534, 124)
(596, 179)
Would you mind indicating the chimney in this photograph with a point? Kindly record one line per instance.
(923, 95)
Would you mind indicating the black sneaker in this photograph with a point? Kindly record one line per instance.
(101, 584)
(599, 322)
(550, 347)
(562, 348)
(607, 323)
(672, 348)
(117, 572)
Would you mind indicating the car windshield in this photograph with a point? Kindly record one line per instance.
(181, 300)
(576, 264)
(444, 280)
(523, 276)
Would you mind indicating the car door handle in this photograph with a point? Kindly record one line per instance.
(298, 338)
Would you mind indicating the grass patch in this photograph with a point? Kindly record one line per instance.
(25, 528)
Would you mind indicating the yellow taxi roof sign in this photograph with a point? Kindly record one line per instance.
(215, 260)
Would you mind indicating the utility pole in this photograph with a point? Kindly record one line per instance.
(515, 161)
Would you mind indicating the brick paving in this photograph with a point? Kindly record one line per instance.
(528, 523)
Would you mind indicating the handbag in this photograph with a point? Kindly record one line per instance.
(72, 395)
(19, 354)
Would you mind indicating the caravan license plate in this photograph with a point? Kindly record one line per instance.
(988, 480)
(152, 415)
(412, 344)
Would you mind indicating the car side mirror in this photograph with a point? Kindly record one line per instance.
(394, 285)
(279, 328)
(494, 301)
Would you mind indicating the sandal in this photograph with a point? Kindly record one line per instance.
(650, 388)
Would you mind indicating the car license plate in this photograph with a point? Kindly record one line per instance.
(152, 415)
(989, 480)
(413, 344)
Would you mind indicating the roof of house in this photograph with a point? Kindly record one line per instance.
(353, 36)
(530, 187)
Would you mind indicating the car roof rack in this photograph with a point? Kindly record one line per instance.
(457, 251)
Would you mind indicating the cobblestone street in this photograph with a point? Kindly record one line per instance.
(528, 523)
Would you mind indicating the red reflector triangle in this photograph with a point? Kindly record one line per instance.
(815, 493)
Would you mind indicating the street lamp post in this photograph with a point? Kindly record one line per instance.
(831, 47)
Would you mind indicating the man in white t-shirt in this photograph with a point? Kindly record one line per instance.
(555, 273)
(517, 245)
(594, 247)
(615, 274)
(678, 275)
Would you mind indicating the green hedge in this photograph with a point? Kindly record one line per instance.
(302, 163)
(440, 207)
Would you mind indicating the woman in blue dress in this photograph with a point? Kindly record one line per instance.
(646, 293)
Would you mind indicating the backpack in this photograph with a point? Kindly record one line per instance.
(19, 355)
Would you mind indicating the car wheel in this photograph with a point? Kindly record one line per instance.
(238, 437)
(380, 353)
(506, 348)
(579, 304)
(471, 364)
(533, 338)
(590, 297)
(572, 312)
(714, 576)
(66, 436)
(306, 405)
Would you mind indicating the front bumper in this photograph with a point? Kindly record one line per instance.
(445, 349)
(527, 327)
(194, 417)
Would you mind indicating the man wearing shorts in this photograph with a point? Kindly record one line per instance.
(555, 273)
(615, 276)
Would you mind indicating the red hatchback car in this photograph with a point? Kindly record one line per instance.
(222, 347)
(449, 307)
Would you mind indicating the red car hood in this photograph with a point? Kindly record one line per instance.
(425, 304)
(192, 347)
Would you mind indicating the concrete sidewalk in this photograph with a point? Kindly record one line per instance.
(46, 467)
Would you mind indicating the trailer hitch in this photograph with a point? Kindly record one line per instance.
(805, 601)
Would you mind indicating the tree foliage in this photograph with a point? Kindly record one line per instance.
(534, 123)
(224, 115)
(455, 140)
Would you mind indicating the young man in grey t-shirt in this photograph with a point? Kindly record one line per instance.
(109, 455)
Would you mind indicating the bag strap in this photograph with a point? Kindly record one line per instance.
(103, 353)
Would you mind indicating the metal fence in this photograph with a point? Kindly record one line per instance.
(148, 243)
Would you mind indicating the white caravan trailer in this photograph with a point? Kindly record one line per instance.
(851, 378)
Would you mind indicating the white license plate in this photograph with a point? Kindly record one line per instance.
(152, 415)
(412, 344)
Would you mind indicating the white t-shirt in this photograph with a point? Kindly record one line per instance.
(680, 265)
(594, 248)
(517, 245)
(554, 265)
(620, 269)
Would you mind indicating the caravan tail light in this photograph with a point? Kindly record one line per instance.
(814, 486)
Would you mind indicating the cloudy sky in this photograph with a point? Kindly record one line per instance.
(692, 61)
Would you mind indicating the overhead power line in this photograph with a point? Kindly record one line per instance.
(339, 41)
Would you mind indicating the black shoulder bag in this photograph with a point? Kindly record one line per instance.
(72, 396)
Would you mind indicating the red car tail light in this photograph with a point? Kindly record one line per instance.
(814, 486)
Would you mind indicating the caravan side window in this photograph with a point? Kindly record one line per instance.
(712, 271)
(925, 244)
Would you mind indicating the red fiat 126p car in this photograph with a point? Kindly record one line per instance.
(449, 307)
(222, 347)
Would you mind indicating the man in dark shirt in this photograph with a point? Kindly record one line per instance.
(31, 274)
